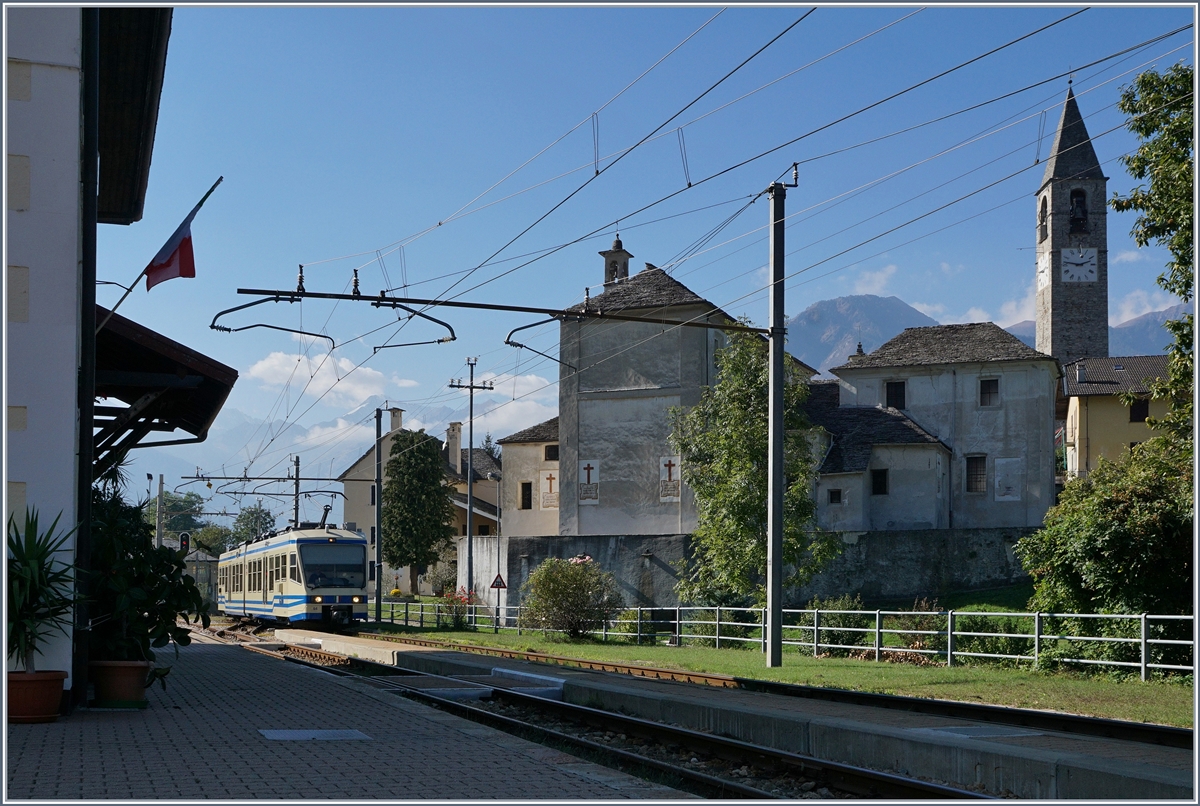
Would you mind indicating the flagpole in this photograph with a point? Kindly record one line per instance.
(142, 273)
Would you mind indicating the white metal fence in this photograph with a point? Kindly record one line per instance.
(1144, 642)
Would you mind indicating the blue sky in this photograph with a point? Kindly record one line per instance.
(343, 132)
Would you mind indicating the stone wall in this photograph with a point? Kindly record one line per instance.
(890, 565)
(644, 565)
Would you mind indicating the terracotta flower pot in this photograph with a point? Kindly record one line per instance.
(34, 696)
(119, 683)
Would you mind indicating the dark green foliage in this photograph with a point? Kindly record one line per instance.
(834, 625)
(138, 591)
(490, 447)
(40, 590)
(924, 628)
(992, 645)
(251, 522)
(1161, 109)
(723, 442)
(214, 539)
(180, 512)
(572, 596)
(1119, 540)
(418, 510)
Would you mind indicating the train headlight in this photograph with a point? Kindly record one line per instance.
(318, 599)
(356, 599)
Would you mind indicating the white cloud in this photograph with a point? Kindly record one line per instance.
(342, 430)
(518, 386)
(404, 383)
(1126, 256)
(1137, 303)
(972, 315)
(1018, 310)
(933, 311)
(512, 417)
(949, 270)
(874, 282)
(345, 385)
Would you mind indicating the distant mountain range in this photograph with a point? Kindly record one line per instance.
(829, 331)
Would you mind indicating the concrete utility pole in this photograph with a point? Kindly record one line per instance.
(775, 431)
(471, 387)
(158, 515)
(378, 515)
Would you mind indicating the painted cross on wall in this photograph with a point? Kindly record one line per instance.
(549, 487)
(669, 483)
(589, 482)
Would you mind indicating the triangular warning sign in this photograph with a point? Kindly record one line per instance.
(498, 582)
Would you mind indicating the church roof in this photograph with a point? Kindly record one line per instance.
(1112, 376)
(1072, 155)
(976, 342)
(855, 430)
(482, 464)
(542, 432)
(649, 288)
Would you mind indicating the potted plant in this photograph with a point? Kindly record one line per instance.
(138, 593)
(40, 601)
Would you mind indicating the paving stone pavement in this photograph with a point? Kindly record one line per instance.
(200, 739)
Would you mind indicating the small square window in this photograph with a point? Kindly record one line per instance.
(551, 453)
(976, 474)
(895, 394)
(879, 482)
(989, 392)
(835, 497)
(1139, 410)
(485, 529)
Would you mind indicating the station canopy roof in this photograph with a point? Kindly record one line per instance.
(163, 385)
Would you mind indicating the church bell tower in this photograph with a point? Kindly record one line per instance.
(1072, 246)
(616, 263)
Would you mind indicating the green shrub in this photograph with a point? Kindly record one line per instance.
(572, 596)
(994, 645)
(833, 625)
(925, 616)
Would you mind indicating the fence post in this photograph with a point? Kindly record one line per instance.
(421, 616)
(1037, 637)
(816, 632)
(878, 633)
(950, 638)
(763, 616)
(406, 614)
(604, 630)
(718, 626)
(678, 626)
(518, 619)
(1145, 647)
(639, 626)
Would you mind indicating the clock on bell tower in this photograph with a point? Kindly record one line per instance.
(1072, 246)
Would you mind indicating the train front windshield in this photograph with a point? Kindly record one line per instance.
(332, 566)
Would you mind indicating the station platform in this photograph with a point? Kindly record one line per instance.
(997, 759)
(234, 725)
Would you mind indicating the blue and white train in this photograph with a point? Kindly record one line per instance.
(296, 575)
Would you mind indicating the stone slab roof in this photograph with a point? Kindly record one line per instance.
(542, 432)
(1112, 376)
(1072, 155)
(650, 288)
(483, 464)
(977, 342)
(856, 430)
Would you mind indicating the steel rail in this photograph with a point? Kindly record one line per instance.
(1100, 727)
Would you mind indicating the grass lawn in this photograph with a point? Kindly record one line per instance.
(1166, 703)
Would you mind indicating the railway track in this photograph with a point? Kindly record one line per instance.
(704, 764)
(1164, 735)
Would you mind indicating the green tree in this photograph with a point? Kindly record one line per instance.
(490, 447)
(214, 539)
(723, 444)
(251, 522)
(1161, 113)
(418, 509)
(181, 513)
(1120, 539)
